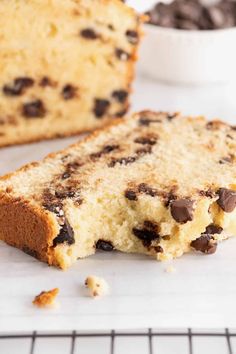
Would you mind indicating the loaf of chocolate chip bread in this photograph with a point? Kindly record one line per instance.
(159, 184)
(66, 66)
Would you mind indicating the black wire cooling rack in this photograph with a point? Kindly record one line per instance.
(125, 342)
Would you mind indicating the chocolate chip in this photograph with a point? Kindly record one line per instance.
(109, 148)
(45, 81)
(146, 189)
(65, 158)
(146, 140)
(205, 244)
(189, 11)
(89, 33)
(66, 235)
(158, 249)
(216, 16)
(79, 201)
(213, 229)
(229, 137)
(96, 155)
(182, 210)
(166, 237)
(145, 235)
(63, 194)
(111, 27)
(122, 55)
(144, 121)
(143, 151)
(122, 161)
(72, 167)
(210, 125)
(147, 121)
(65, 175)
(106, 150)
(148, 233)
(208, 193)
(67, 191)
(104, 246)
(53, 207)
(132, 36)
(131, 194)
(185, 25)
(47, 195)
(227, 199)
(161, 15)
(53, 201)
(170, 197)
(69, 92)
(130, 159)
(227, 159)
(50, 202)
(18, 87)
(171, 116)
(120, 95)
(101, 107)
(34, 109)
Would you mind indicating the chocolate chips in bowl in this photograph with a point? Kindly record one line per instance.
(190, 42)
(194, 15)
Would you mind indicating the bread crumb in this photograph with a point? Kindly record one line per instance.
(46, 298)
(97, 286)
(170, 269)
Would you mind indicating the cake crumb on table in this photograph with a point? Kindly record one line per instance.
(46, 298)
(170, 269)
(97, 286)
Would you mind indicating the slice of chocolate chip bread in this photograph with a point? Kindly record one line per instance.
(156, 183)
(66, 66)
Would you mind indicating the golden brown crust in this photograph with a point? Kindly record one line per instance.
(27, 227)
(218, 124)
(42, 138)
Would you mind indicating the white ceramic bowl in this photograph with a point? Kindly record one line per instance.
(189, 57)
